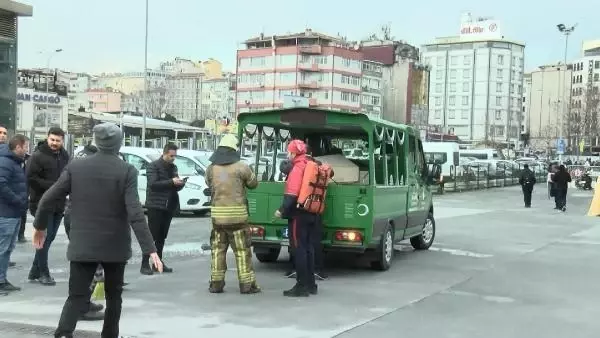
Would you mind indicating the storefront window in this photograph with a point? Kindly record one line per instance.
(8, 86)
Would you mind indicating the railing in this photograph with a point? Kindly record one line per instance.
(474, 177)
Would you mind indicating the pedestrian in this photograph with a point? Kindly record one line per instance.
(92, 310)
(43, 169)
(162, 201)
(4, 140)
(527, 181)
(562, 178)
(285, 167)
(303, 224)
(104, 205)
(228, 178)
(551, 189)
(13, 201)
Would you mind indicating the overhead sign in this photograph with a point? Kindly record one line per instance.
(39, 98)
(480, 29)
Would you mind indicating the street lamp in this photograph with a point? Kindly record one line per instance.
(566, 31)
(56, 51)
(145, 81)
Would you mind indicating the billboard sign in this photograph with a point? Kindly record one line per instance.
(480, 29)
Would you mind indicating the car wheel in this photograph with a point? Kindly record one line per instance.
(425, 239)
(269, 256)
(385, 252)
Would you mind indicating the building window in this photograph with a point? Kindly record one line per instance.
(438, 87)
(467, 60)
(453, 87)
(500, 59)
(438, 113)
(465, 87)
(439, 61)
(453, 74)
(452, 100)
(596, 77)
(451, 113)
(597, 64)
(465, 100)
(454, 60)
(466, 73)
(464, 114)
(438, 74)
(500, 74)
(498, 114)
(498, 100)
(438, 101)
(345, 96)
(354, 97)
(499, 87)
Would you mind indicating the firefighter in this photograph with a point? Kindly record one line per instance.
(228, 178)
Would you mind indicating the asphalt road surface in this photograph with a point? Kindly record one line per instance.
(497, 270)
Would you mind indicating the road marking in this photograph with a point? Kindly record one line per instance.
(458, 252)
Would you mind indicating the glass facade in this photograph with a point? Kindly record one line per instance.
(8, 82)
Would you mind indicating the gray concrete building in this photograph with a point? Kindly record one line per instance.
(9, 13)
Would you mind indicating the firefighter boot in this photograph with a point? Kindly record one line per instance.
(216, 287)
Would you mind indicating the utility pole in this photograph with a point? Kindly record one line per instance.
(566, 31)
(145, 81)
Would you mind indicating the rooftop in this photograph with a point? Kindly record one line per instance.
(449, 40)
(308, 33)
(16, 7)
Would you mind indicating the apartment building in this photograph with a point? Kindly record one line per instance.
(372, 88)
(585, 95)
(476, 82)
(327, 70)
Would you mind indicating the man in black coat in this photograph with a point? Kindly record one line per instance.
(527, 180)
(43, 169)
(561, 178)
(162, 200)
(104, 205)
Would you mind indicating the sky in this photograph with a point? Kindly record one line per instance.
(108, 35)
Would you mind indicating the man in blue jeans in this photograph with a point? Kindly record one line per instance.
(43, 169)
(13, 202)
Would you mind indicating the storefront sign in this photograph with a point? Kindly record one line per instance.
(39, 98)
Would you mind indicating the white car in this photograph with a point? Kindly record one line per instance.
(192, 198)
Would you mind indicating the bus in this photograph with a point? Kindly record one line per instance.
(372, 202)
(446, 154)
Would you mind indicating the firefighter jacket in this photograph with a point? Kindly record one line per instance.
(228, 178)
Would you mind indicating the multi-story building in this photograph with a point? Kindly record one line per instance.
(476, 82)
(211, 68)
(542, 100)
(216, 98)
(327, 70)
(9, 13)
(184, 93)
(404, 80)
(372, 88)
(585, 95)
(132, 82)
(103, 100)
(525, 107)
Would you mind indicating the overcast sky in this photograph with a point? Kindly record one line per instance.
(108, 35)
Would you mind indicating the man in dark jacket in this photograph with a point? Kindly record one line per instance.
(43, 169)
(527, 181)
(13, 201)
(23, 226)
(162, 200)
(561, 178)
(104, 205)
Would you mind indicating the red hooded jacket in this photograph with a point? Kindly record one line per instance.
(292, 186)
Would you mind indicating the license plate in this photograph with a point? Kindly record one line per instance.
(285, 232)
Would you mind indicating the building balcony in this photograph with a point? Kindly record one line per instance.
(308, 67)
(309, 49)
(309, 84)
(312, 102)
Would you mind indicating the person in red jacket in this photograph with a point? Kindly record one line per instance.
(302, 224)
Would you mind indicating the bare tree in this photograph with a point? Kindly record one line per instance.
(583, 116)
(157, 102)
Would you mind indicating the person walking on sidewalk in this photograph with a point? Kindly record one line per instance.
(527, 180)
(13, 201)
(162, 201)
(43, 169)
(4, 140)
(104, 206)
(23, 226)
(561, 178)
(228, 178)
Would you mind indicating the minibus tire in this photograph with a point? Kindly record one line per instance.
(268, 257)
(423, 242)
(384, 261)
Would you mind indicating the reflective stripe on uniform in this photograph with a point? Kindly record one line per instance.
(228, 211)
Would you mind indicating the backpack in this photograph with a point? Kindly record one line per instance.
(313, 189)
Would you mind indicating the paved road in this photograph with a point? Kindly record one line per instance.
(496, 270)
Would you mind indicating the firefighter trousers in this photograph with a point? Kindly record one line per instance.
(240, 241)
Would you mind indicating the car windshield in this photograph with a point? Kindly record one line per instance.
(187, 166)
(204, 160)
